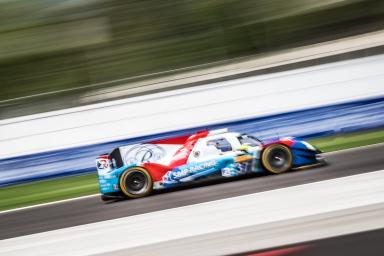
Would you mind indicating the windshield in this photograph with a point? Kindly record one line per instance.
(249, 140)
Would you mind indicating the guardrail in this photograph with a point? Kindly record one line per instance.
(313, 101)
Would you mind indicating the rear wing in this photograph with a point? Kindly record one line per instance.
(107, 162)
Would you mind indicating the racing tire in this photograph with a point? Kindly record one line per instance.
(277, 158)
(136, 182)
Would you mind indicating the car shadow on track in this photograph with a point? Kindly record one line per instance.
(217, 180)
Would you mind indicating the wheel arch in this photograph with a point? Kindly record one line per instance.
(282, 143)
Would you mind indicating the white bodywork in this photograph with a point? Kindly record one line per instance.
(204, 151)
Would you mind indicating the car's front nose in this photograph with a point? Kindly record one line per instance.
(320, 157)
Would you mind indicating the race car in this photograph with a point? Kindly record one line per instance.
(136, 170)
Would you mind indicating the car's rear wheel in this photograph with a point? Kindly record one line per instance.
(136, 182)
(277, 158)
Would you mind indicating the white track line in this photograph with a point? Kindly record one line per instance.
(95, 195)
(50, 203)
(220, 216)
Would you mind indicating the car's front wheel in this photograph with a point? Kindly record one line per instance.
(136, 182)
(277, 158)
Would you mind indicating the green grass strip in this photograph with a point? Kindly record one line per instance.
(70, 187)
(340, 142)
(47, 191)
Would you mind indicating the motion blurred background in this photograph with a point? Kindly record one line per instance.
(50, 45)
(304, 68)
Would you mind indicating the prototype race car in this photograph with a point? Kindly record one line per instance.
(135, 170)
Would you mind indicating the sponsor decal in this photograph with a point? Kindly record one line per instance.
(185, 171)
(196, 154)
(102, 164)
(234, 170)
(144, 153)
(227, 172)
(103, 167)
(194, 169)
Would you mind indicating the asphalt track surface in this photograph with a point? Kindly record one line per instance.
(89, 210)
